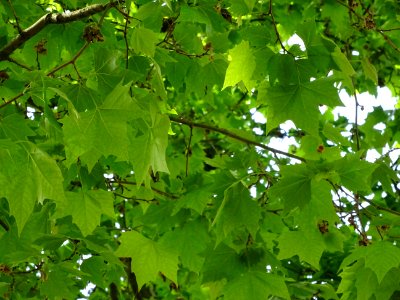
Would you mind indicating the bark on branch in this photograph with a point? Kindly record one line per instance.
(234, 136)
(51, 18)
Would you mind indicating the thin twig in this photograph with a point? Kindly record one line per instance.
(189, 151)
(390, 29)
(356, 133)
(270, 13)
(11, 60)
(11, 100)
(126, 41)
(162, 193)
(15, 16)
(71, 61)
(351, 10)
(234, 136)
(387, 39)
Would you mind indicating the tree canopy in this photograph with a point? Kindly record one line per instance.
(137, 158)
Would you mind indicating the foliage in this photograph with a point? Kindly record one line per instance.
(132, 163)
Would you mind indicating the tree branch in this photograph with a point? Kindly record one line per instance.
(12, 100)
(234, 136)
(51, 18)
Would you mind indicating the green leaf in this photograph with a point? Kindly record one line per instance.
(86, 208)
(143, 40)
(241, 66)
(189, 241)
(237, 210)
(148, 257)
(39, 179)
(103, 131)
(308, 245)
(147, 148)
(369, 70)
(354, 173)
(380, 257)
(295, 186)
(299, 103)
(256, 285)
(343, 63)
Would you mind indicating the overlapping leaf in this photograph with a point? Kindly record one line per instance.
(149, 258)
(300, 103)
(86, 208)
(103, 131)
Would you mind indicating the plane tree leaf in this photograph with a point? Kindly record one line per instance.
(86, 208)
(241, 66)
(149, 258)
(299, 103)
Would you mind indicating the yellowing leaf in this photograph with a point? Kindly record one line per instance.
(149, 258)
(241, 67)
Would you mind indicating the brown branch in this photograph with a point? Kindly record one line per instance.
(11, 60)
(234, 136)
(157, 191)
(356, 133)
(390, 29)
(11, 100)
(4, 225)
(387, 39)
(189, 151)
(51, 18)
(71, 61)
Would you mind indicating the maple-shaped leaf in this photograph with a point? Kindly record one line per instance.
(102, 131)
(241, 67)
(295, 186)
(380, 257)
(299, 103)
(86, 208)
(105, 72)
(354, 173)
(189, 241)
(236, 210)
(149, 258)
(144, 41)
(308, 245)
(148, 144)
(222, 262)
(35, 176)
(320, 206)
(256, 285)
(15, 127)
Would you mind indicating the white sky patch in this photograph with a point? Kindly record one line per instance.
(295, 39)
(367, 103)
